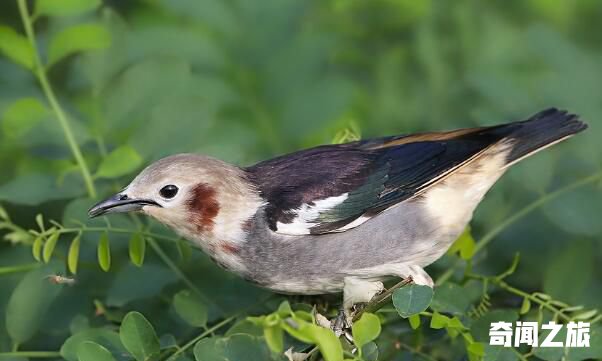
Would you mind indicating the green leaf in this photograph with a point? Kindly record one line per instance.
(49, 246)
(3, 214)
(91, 351)
(36, 248)
(73, 255)
(18, 236)
(103, 252)
(451, 298)
(455, 322)
(366, 329)
(138, 336)
(525, 306)
(476, 348)
(328, 343)
(22, 115)
(167, 341)
(412, 299)
(231, 348)
(64, 7)
(284, 309)
(16, 47)
(190, 308)
(499, 353)
(439, 321)
(121, 161)
(348, 134)
(102, 336)
(325, 339)
(414, 321)
(78, 38)
(370, 352)
(137, 249)
(245, 326)
(585, 315)
(29, 303)
(40, 221)
(274, 337)
(464, 245)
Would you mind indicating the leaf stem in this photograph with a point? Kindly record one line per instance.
(40, 73)
(506, 287)
(165, 258)
(207, 332)
(31, 354)
(503, 285)
(19, 268)
(115, 230)
(533, 206)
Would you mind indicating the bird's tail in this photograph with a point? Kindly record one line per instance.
(542, 130)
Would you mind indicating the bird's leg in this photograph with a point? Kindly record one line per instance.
(355, 291)
(382, 298)
(338, 324)
(419, 276)
(410, 275)
(358, 291)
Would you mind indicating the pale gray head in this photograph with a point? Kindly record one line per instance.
(191, 193)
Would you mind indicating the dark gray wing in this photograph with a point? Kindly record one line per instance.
(337, 187)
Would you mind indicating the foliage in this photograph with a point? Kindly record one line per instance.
(92, 91)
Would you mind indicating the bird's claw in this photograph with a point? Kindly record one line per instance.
(339, 323)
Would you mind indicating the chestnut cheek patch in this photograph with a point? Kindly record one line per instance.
(203, 207)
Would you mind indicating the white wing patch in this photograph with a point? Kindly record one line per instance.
(306, 215)
(353, 224)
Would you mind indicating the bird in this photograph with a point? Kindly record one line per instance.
(340, 217)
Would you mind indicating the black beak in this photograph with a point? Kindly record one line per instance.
(119, 203)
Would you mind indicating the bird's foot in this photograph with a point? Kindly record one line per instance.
(341, 325)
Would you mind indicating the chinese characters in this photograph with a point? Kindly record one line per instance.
(527, 333)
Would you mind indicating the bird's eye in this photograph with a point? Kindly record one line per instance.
(169, 191)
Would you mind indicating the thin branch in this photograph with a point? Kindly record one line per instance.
(19, 268)
(533, 206)
(31, 354)
(54, 104)
(114, 230)
(506, 287)
(208, 332)
(165, 258)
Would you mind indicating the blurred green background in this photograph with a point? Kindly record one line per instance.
(244, 81)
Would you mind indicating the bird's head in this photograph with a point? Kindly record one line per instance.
(201, 198)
